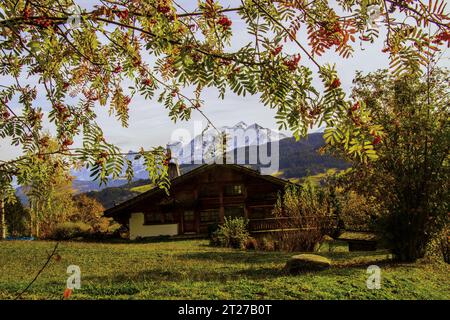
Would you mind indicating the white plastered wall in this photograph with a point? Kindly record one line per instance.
(138, 229)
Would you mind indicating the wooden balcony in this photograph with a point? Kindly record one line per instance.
(285, 223)
(268, 224)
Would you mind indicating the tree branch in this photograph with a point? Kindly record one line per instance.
(39, 272)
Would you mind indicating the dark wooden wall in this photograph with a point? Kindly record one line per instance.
(257, 198)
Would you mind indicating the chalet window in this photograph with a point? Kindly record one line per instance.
(257, 195)
(234, 211)
(234, 190)
(209, 190)
(209, 215)
(153, 218)
(189, 215)
(261, 212)
(169, 218)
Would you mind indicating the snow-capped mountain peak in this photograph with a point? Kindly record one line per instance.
(204, 146)
(208, 144)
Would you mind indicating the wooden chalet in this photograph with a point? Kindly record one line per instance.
(200, 198)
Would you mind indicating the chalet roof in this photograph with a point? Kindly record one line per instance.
(180, 179)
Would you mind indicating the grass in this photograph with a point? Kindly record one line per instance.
(313, 179)
(317, 178)
(194, 270)
(143, 188)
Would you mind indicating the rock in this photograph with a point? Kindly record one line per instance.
(338, 246)
(307, 262)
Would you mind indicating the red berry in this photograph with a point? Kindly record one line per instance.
(44, 141)
(335, 83)
(277, 50)
(376, 140)
(444, 36)
(163, 9)
(6, 115)
(27, 12)
(292, 63)
(67, 142)
(147, 82)
(123, 14)
(355, 106)
(67, 293)
(224, 22)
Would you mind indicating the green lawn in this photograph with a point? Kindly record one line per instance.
(194, 270)
(143, 188)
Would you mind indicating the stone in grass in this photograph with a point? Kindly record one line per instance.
(307, 262)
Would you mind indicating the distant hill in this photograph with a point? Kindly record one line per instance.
(111, 196)
(301, 158)
(80, 186)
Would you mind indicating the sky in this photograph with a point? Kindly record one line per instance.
(150, 125)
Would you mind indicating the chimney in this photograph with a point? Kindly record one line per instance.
(173, 169)
(224, 147)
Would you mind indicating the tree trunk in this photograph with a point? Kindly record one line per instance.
(37, 229)
(36, 221)
(409, 238)
(2, 210)
(32, 218)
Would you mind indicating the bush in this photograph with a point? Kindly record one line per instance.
(267, 244)
(212, 228)
(70, 230)
(305, 215)
(90, 211)
(410, 178)
(233, 233)
(445, 247)
(357, 212)
(251, 244)
(439, 246)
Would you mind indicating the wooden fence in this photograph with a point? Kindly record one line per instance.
(267, 224)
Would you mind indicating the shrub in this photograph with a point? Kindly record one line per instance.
(357, 212)
(445, 247)
(251, 244)
(410, 178)
(212, 228)
(439, 247)
(267, 244)
(233, 233)
(305, 215)
(17, 219)
(90, 211)
(70, 230)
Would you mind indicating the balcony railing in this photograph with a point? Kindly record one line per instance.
(287, 223)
